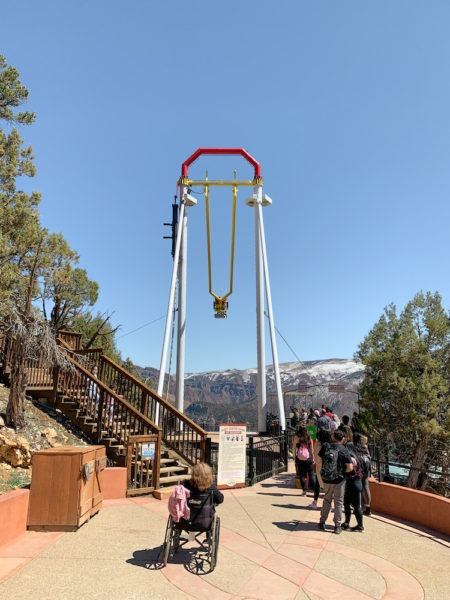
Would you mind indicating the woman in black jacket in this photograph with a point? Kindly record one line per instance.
(204, 496)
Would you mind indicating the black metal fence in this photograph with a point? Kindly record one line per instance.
(388, 466)
(266, 456)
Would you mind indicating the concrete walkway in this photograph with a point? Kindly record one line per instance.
(270, 548)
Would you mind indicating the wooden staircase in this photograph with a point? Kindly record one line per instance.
(124, 418)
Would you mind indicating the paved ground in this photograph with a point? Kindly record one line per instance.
(270, 548)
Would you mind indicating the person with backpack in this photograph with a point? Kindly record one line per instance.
(336, 463)
(304, 460)
(353, 489)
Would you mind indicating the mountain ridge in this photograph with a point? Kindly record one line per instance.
(230, 395)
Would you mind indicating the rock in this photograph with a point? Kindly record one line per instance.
(50, 434)
(23, 443)
(14, 450)
(2, 422)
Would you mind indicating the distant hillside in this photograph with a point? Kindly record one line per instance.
(224, 396)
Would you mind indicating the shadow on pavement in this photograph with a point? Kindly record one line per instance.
(194, 560)
(295, 526)
(148, 559)
(275, 494)
(296, 506)
(279, 483)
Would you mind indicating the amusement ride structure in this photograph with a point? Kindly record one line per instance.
(257, 200)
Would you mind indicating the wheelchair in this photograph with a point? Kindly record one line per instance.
(175, 536)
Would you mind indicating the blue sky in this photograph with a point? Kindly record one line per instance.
(344, 104)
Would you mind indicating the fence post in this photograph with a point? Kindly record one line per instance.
(208, 451)
(251, 468)
(286, 448)
(378, 463)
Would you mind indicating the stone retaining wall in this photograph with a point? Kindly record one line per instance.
(407, 504)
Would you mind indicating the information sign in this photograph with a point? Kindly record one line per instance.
(232, 455)
(148, 451)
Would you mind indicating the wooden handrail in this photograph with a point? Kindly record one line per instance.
(116, 397)
(154, 395)
(76, 337)
(178, 431)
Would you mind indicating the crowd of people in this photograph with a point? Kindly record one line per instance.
(337, 461)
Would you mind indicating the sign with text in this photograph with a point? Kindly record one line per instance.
(336, 388)
(232, 455)
(148, 451)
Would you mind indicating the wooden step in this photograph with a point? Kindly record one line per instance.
(174, 478)
(174, 468)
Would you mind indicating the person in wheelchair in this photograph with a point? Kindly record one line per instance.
(204, 496)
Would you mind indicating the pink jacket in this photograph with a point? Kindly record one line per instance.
(178, 507)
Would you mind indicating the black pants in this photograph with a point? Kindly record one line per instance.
(306, 467)
(352, 497)
(366, 491)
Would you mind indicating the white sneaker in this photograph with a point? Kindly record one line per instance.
(313, 506)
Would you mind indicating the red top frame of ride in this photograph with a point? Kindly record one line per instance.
(241, 151)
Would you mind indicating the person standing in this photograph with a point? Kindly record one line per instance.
(360, 442)
(304, 457)
(336, 462)
(353, 489)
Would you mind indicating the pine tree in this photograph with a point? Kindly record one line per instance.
(406, 388)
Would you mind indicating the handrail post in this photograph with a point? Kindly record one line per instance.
(102, 366)
(55, 385)
(99, 415)
(144, 407)
(156, 462)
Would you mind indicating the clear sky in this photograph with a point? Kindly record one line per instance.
(345, 105)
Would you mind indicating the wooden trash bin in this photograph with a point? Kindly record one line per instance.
(66, 487)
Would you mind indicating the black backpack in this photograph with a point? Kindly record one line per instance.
(324, 423)
(330, 471)
(358, 465)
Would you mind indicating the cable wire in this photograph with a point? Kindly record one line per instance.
(141, 327)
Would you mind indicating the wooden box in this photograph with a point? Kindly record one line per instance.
(66, 487)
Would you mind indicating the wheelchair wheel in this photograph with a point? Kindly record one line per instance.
(214, 542)
(167, 541)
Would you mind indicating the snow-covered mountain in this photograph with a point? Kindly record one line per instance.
(219, 395)
(291, 373)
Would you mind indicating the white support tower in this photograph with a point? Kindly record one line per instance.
(258, 201)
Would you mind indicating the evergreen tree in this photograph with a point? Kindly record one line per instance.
(405, 392)
(30, 257)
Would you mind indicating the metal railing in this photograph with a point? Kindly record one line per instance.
(387, 466)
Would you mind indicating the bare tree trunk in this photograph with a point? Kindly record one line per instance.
(418, 462)
(15, 410)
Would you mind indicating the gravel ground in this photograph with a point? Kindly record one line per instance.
(38, 418)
